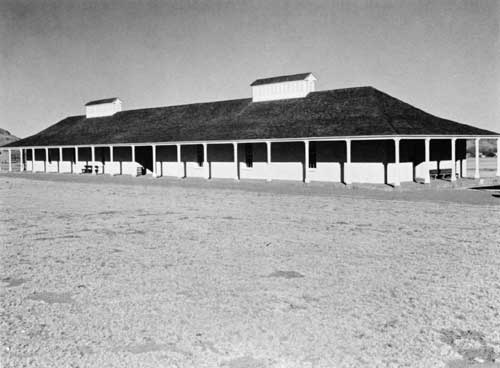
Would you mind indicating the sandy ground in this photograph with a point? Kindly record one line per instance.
(117, 272)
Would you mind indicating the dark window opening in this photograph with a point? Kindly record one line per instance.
(199, 155)
(249, 155)
(312, 155)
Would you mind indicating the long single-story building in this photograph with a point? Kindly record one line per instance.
(286, 131)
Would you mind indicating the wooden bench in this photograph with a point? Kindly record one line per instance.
(87, 169)
(440, 173)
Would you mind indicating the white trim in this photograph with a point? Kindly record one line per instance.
(21, 153)
(93, 163)
(153, 151)
(453, 160)
(347, 164)
(476, 158)
(206, 168)
(427, 178)
(498, 156)
(32, 160)
(269, 158)
(397, 181)
(306, 161)
(236, 163)
(274, 140)
(10, 159)
(59, 162)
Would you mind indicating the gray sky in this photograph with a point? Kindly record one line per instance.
(441, 56)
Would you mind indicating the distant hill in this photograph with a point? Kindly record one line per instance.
(6, 137)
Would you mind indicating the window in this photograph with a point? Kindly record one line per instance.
(312, 155)
(249, 154)
(199, 155)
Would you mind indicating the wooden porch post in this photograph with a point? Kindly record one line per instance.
(32, 160)
(132, 148)
(59, 163)
(236, 162)
(46, 159)
(111, 160)
(10, 159)
(397, 179)
(306, 162)
(92, 151)
(206, 169)
(76, 156)
(21, 158)
(498, 156)
(427, 176)
(476, 170)
(153, 150)
(347, 166)
(269, 169)
(180, 166)
(453, 160)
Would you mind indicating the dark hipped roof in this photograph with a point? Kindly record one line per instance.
(283, 78)
(344, 112)
(104, 100)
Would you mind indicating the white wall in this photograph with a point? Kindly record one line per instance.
(420, 169)
(278, 170)
(224, 170)
(405, 172)
(282, 90)
(325, 171)
(65, 167)
(169, 168)
(52, 166)
(361, 172)
(193, 170)
(287, 163)
(367, 172)
(258, 171)
(105, 109)
(287, 171)
(115, 168)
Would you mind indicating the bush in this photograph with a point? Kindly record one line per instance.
(488, 147)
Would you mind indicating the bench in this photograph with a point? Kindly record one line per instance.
(440, 173)
(87, 169)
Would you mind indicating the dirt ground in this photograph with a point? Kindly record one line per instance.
(117, 272)
(487, 165)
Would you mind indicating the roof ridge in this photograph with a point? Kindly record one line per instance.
(186, 104)
(280, 78)
(102, 101)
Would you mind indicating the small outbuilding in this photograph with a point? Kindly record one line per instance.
(286, 131)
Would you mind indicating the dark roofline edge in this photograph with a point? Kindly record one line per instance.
(272, 140)
(280, 79)
(102, 101)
